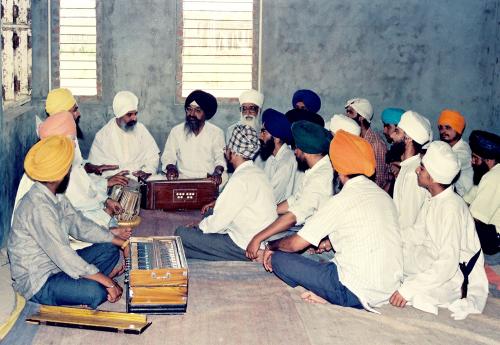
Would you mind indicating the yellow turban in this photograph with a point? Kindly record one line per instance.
(351, 154)
(58, 124)
(453, 119)
(59, 100)
(50, 159)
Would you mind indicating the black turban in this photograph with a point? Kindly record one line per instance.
(295, 115)
(485, 144)
(206, 101)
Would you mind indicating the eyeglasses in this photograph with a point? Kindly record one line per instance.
(194, 110)
(252, 109)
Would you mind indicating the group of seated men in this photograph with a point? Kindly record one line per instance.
(323, 206)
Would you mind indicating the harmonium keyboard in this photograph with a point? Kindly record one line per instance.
(156, 276)
(190, 194)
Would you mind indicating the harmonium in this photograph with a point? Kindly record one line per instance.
(156, 276)
(188, 194)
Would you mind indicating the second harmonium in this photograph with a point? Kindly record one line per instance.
(161, 194)
(156, 276)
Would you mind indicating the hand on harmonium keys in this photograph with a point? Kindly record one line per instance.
(123, 232)
(171, 172)
(118, 179)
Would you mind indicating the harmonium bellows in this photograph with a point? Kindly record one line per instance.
(156, 276)
(189, 194)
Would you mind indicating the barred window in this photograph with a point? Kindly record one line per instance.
(78, 46)
(218, 47)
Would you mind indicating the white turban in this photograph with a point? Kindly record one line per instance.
(252, 96)
(339, 121)
(362, 106)
(441, 162)
(416, 126)
(124, 102)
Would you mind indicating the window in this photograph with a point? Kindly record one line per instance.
(218, 47)
(78, 47)
(16, 52)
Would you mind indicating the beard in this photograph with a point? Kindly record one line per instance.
(192, 124)
(301, 164)
(128, 126)
(479, 171)
(79, 132)
(249, 120)
(395, 152)
(447, 139)
(266, 149)
(64, 184)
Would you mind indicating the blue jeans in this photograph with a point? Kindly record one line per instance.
(61, 289)
(320, 278)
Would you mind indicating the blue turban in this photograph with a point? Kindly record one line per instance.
(311, 138)
(277, 124)
(206, 101)
(391, 116)
(485, 144)
(310, 99)
(295, 115)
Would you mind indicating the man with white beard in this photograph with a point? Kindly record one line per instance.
(251, 102)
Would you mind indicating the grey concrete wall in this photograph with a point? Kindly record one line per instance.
(416, 54)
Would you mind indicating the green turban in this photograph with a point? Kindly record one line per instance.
(310, 137)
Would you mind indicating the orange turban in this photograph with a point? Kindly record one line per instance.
(453, 119)
(351, 154)
(50, 159)
(58, 124)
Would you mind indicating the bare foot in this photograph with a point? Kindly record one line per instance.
(260, 256)
(311, 297)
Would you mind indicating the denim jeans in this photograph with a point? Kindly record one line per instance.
(61, 289)
(320, 278)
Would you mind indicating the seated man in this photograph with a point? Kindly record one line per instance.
(390, 120)
(360, 110)
(44, 267)
(280, 164)
(306, 99)
(194, 149)
(411, 133)
(312, 142)
(484, 200)
(125, 142)
(451, 125)
(245, 206)
(251, 102)
(361, 225)
(443, 263)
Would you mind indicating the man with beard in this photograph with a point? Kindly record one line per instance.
(245, 206)
(390, 119)
(451, 125)
(280, 164)
(59, 100)
(484, 198)
(306, 99)
(312, 143)
(251, 102)
(45, 269)
(360, 223)
(194, 149)
(361, 111)
(443, 263)
(412, 132)
(125, 142)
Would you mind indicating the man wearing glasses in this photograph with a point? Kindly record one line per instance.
(194, 148)
(251, 102)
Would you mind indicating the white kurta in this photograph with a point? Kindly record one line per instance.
(408, 195)
(443, 236)
(195, 155)
(464, 182)
(315, 190)
(133, 151)
(245, 206)
(280, 170)
(485, 201)
(361, 222)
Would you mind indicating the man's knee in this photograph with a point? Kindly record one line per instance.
(95, 294)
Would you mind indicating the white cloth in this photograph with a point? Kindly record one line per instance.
(280, 170)
(485, 203)
(316, 188)
(408, 195)
(124, 102)
(298, 180)
(463, 152)
(416, 126)
(361, 223)
(441, 162)
(245, 206)
(253, 97)
(362, 106)
(133, 151)
(195, 155)
(340, 121)
(443, 236)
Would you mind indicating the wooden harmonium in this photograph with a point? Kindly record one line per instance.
(156, 276)
(178, 194)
